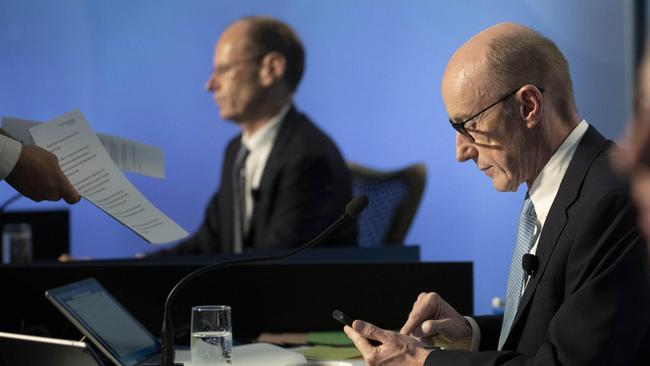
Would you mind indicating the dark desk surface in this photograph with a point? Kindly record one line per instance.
(285, 297)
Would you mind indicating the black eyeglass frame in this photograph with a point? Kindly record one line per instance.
(460, 126)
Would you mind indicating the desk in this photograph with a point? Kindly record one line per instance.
(285, 297)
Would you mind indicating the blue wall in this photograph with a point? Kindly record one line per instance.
(136, 69)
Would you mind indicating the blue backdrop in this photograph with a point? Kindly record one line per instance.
(136, 69)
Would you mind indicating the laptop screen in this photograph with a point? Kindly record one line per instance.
(104, 320)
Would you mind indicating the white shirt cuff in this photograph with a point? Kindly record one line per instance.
(476, 334)
(9, 153)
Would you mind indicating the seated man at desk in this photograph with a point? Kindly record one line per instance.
(283, 180)
(584, 296)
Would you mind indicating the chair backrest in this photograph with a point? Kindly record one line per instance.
(394, 199)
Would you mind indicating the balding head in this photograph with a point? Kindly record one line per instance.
(257, 65)
(266, 34)
(508, 94)
(507, 56)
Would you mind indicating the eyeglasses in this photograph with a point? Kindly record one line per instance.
(461, 126)
(224, 68)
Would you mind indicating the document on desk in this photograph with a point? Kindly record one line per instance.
(265, 354)
(91, 171)
(128, 155)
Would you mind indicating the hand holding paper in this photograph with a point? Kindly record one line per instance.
(36, 175)
(91, 171)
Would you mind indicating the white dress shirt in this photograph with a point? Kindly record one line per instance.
(547, 183)
(542, 193)
(9, 152)
(259, 145)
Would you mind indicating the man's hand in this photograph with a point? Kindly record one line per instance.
(37, 176)
(396, 349)
(434, 322)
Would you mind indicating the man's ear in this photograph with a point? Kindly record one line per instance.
(272, 69)
(530, 100)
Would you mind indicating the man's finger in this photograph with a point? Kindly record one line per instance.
(69, 193)
(428, 328)
(414, 320)
(371, 331)
(362, 344)
(71, 196)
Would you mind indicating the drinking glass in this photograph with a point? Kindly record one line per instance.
(211, 340)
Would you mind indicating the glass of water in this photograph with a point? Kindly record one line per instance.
(17, 243)
(211, 341)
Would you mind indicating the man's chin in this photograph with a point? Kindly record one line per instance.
(230, 117)
(502, 186)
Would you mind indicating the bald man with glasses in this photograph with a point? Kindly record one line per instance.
(577, 291)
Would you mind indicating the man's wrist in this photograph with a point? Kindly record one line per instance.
(476, 334)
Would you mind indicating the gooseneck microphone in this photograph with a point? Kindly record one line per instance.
(352, 209)
(529, 264)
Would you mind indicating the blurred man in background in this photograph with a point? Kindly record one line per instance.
(635, 159)
(283, 180)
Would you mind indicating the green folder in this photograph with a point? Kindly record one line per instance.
(330, 353)
(337, 339)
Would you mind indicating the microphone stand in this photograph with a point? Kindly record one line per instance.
(353, 208)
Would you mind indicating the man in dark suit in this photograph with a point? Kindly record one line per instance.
(584, 296)
(283, 180)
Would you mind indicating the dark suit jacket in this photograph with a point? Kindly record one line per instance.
(304, 188)
(589, 303)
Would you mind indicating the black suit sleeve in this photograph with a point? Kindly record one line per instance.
(604, 299)
(490, 330)
(311, 195)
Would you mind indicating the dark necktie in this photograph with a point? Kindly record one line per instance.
(239, 199)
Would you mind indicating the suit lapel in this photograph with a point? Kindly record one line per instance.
(591, 144)
(272, 168)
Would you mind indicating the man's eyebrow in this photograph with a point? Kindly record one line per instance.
(460, 117)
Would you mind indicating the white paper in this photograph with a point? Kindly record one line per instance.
(128, 155)
(134, 156)
(91, 171)
(255, 354)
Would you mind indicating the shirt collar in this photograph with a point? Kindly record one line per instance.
(547, 183)
(267, 133)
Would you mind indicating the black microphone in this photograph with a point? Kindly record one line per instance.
(529, 263)
(352, 209)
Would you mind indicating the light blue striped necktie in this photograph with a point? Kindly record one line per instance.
(526, 235)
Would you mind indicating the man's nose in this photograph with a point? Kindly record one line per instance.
(213, 83)
(465, 149)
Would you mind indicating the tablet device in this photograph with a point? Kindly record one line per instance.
(19, 349)
(102, 319)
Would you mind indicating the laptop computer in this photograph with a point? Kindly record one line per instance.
(19, 350)
(103, 320)
(126, 342)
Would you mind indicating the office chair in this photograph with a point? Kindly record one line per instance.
(394, 198)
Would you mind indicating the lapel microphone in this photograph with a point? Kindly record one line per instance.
(352, 210)
(529, 263)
